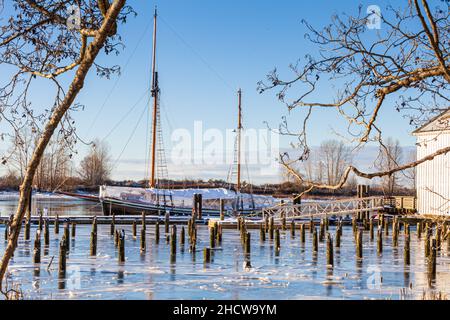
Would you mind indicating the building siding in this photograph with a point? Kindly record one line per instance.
(433, 177)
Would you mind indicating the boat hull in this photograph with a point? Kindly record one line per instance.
(117, 207)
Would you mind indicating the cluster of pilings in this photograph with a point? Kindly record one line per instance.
(435, 236)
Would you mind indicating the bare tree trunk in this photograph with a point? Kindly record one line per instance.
(75, 87)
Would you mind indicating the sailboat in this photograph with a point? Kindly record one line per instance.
(159, 198)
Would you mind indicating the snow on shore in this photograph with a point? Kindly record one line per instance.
(14, 195)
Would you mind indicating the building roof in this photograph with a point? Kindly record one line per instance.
(440, 122)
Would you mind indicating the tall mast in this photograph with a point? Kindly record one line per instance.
(154, 91)
(239, 128)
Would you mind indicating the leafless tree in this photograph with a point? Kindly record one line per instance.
(335, 156)
(389, 158)
(44, 40)
(95, 168)
(406, 61)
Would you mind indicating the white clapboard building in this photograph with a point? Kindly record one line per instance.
(433, 177)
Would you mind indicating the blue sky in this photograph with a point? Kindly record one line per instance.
(206, 51)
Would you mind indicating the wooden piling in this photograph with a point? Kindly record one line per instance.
(93, 244)
(27, 229)
(406, 250)
(206, 255)
(262, 234)
(359, 245)
(277, 240)
(302, 233)
(432, 260)
(66, 236)
(166, 223)
(247, 243)
(330, 260)
(438, 238)
(292, 229)
(46, 233)
(116, 238)
(322, 231)
(182, 236)
(121, 246)
(427, 242)
(143, 235)
(219, 234)
(271, 228)
(419, 230)
(386, 227)
(112, 230)
(134, 229)
(338, 236)
(62, 256)
(222, 211)
(143, 222)
(157, 232)
(311, 225)
(283, 222)
(173, 242)
(6, 231)
(57, 224)
(371, 233)
(37, 247)
(379, 241)
(395, 232)
(73, 229)
(315, 241)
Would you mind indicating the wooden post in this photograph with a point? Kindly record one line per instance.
(173, 242)
(134, 229)
(166, 222)
(73, 229)
(93, 246)
(144, 224)
(62, 257)
(406, 250)
(277, 240)
(222, 209)
(427, 242)
(271, 227)
(41, 222)
(46, 233)
(122, 246)
(66, 235)
(94, 224)
(322, 231)
(112, 228)
(354, 226)
(182, 236)
(266, 223)
(386, 226)
(37, 247)
(206, 255)
(212, 238)
(293, 229)
(371, 229)
(419, 230)
(200, 206)
(262, 234)
(311, 225)
(330, 260)
(57, 224)
(379, 241)
(395, 234)
(247, 243)
(283, 223)
(338, 236)
(27, 229)
(143, 246)
(219, 234)
(432, 260)
(116, 238)
(438, 238)
(359, 245)
(302, 233)
(315, 241)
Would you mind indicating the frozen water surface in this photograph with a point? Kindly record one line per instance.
(293, 274)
